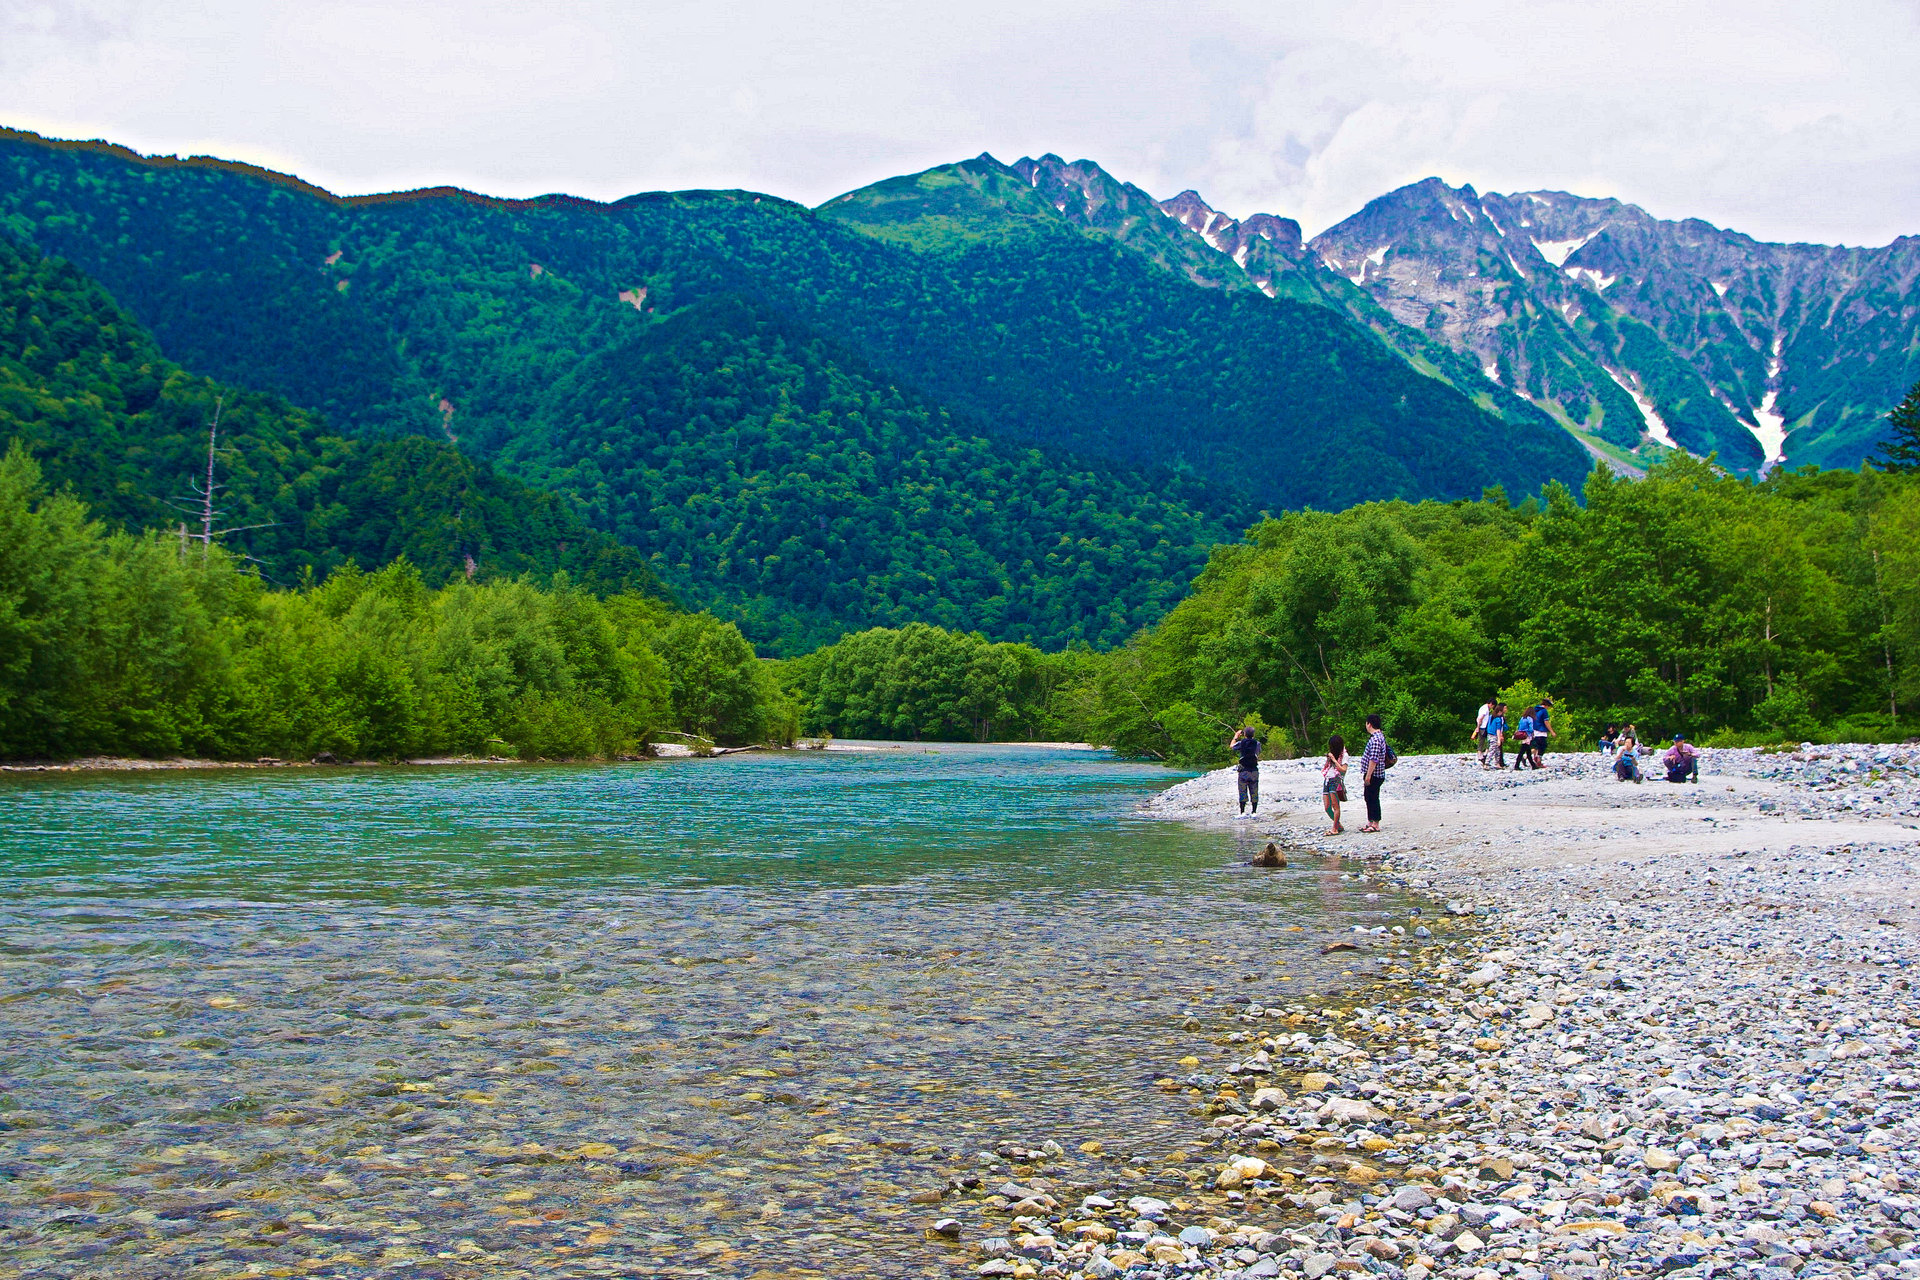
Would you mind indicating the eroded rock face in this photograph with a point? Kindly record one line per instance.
(1742, 336)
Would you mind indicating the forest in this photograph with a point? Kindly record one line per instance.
(1687, 602)
(120, 643)
(86, 389)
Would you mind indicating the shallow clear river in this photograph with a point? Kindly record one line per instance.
(699, 1017)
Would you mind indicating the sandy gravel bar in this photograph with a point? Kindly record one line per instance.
(1640, 1029)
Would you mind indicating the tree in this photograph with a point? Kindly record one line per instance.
(1901, 450)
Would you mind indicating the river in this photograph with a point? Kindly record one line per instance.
(698, 1017)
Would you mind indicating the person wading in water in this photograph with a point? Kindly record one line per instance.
(1247, 748)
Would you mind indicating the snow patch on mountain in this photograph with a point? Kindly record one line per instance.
(1592, 277)
(1656, 425)
(1769, 425)
(1558, 251)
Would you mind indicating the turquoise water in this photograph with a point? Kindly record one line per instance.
(684, 1017)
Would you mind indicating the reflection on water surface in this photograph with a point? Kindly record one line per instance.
(697, 1017)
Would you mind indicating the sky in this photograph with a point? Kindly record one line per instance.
(1788, 121)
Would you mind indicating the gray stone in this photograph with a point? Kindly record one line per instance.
(1409, 1200)
(1148, 1207)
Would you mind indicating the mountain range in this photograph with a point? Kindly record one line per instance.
(1019, 398)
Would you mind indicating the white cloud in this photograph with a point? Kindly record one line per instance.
(1785, 120)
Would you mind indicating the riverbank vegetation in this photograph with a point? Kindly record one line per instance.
(143, 644)
(1689, 601)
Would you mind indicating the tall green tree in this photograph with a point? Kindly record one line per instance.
(1900, 451)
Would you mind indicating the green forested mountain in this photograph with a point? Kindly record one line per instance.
(769, 474)
(778, 477)
(87, 390)
(446, 314)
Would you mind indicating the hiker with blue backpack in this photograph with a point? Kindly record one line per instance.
(1523, 742)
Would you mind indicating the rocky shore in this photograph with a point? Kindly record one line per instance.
(1641, 1029)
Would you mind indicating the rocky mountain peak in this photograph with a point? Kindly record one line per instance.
(1227, 234)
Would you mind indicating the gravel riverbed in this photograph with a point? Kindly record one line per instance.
(1638, 1029)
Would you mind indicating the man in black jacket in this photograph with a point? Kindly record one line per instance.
(1247, 748)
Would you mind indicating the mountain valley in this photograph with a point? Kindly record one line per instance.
(1023, 399)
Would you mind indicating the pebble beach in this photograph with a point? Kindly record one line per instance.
(1637, 1029)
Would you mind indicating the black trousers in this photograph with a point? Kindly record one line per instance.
(1249, 790)
(1372, 793)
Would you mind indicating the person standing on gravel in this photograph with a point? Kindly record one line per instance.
(1480, 730)
(1523, 741)
(1374, 763)
(1333, 781)
(1497, 736)
(1541, 732)
(1247, 748)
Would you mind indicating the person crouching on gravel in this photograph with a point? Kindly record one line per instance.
(1247, 748)
(1683, 763)
(1333, 781)
(1626, 765)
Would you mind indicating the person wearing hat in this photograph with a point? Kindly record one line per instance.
(1683, 763)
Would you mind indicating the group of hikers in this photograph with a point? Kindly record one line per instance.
(1375, 760)
(1528, 734)
(1528, 737)
(1622, 742)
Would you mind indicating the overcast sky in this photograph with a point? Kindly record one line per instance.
(1790, 121)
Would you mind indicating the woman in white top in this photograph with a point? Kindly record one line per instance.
(1333, 780)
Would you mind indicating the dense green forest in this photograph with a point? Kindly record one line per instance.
(510, 326)
(926, 682)
(87, 390)
(793, 491)
(128, 643)
(1689, 601)
(784, 484)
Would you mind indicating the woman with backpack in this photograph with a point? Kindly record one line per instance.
(1374, 763)
(1333, 781)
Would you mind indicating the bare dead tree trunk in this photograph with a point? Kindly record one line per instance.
(1766, 657)
(1886, 645)
(206, 494)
